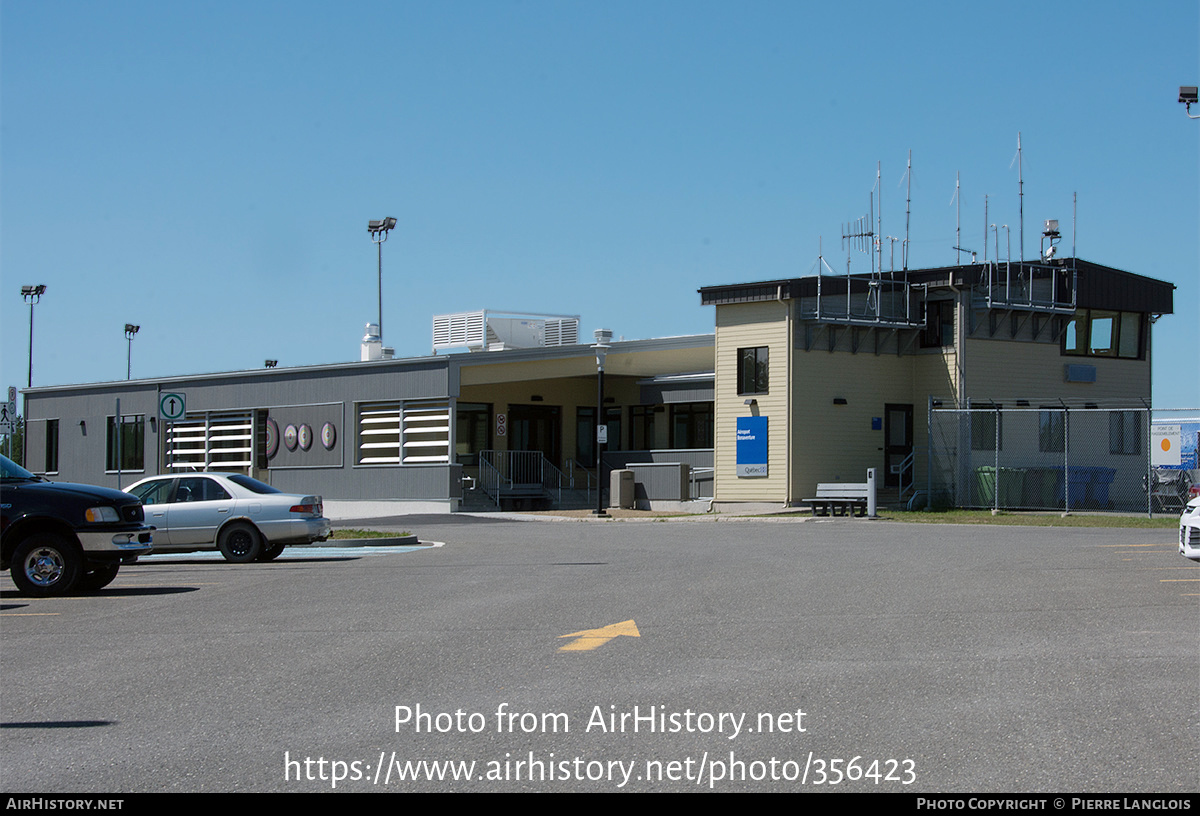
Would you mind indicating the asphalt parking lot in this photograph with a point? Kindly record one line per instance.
(837, 655)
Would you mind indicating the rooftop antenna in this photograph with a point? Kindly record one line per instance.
(1074, 212)
(1020, 194)
(879, 213)
(958, 250)
(907, 212)
(857, 234)
(821, 264)
(985, 226)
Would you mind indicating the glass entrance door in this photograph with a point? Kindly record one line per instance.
(536, 428)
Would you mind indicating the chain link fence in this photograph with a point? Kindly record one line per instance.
(1061, 458)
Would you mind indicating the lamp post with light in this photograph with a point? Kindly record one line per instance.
(601, 346)
(379, 233)
(32, 294)
(130, 331)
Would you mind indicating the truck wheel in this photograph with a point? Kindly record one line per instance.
(98, 578)
(239, 543)
(45, 564)
(271, 552)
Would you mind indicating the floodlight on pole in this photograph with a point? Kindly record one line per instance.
(32, 294)
(130, 331)
(379, 233)
(1188, 95)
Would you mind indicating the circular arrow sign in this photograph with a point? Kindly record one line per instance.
(171, 406)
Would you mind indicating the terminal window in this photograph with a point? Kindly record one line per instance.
(752, 370)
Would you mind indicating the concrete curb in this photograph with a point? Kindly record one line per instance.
(390, 541)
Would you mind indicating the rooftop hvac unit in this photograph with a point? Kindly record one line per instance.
(495, 331)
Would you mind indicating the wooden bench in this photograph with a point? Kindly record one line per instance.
(840, 499)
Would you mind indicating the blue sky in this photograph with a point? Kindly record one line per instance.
(206, 170)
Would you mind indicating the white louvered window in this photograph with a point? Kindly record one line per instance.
(379, 433)
(426, 432)
(211, 441)
(412, 433)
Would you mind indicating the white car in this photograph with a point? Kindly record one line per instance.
(247, 520)
(1189, 530)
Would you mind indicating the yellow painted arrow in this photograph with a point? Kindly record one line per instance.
(590, 639)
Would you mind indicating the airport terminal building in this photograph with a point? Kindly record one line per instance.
(804, 381)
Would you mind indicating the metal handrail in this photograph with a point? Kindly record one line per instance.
(490, 478)
(549, 471)
(1000, 290)
(692, 491)
(500, 469)
(573, 465)
(907, 465)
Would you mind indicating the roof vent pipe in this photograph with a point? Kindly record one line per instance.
(372, 344)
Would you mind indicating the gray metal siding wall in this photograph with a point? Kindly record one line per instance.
(317, 394)
(413, 482)
(692, 457)
(663, 481)
(35, 445)
(83, 422)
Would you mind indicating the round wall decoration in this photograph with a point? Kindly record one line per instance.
(306, 437)
(328, 435)
(289, 437)
(272, 438)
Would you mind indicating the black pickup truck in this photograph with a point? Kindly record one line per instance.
(59, 537)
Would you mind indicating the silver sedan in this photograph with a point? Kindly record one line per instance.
(247, 520)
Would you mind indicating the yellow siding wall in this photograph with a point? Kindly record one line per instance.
(1002, 370)
(835, 443)
(748, 325)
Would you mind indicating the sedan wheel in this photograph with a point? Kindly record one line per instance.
(271, 552)
(239, 543)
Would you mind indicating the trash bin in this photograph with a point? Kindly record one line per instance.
(985, 486)
(1011, 486)
(1041, 487)
(1079, 478)
(1102, 478)
(621, 489)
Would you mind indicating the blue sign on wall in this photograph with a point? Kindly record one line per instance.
(751, 446)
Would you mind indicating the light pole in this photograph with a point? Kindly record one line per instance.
(130, 331)
(32, 295)
(603, 336)
(379, 233)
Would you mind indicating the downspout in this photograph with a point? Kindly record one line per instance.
(960, 342)
(787, 396)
